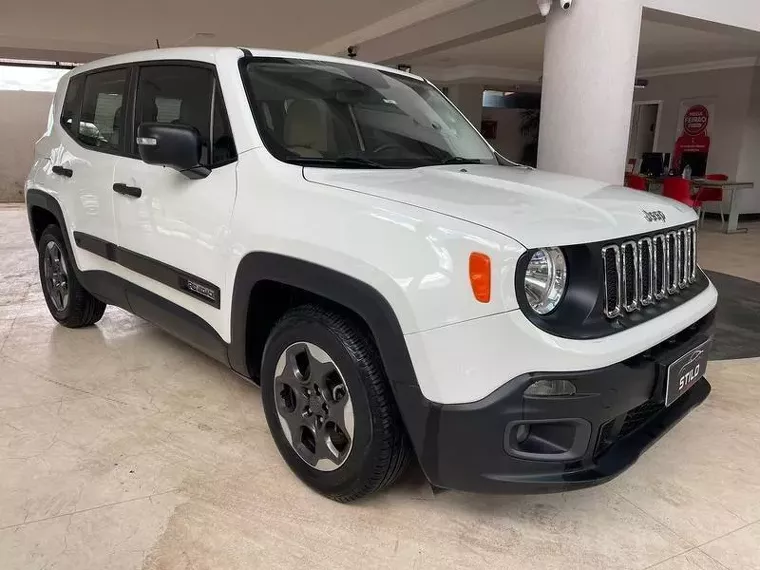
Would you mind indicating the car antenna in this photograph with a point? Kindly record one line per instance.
(158, 45)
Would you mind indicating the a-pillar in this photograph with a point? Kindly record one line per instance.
(589, 73)
(469, 98)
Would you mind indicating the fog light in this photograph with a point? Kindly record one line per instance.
(548, 388)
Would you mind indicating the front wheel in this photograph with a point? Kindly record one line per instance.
(68, 302)
(329, 406)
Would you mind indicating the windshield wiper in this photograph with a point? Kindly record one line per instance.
(337, 162)
(436, 161)
(460, 160)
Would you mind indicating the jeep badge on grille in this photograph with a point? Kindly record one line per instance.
(654, 216)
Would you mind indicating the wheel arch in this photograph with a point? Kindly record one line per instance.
(261, 272)
(42, 209)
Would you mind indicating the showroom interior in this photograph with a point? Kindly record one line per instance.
(123, 447)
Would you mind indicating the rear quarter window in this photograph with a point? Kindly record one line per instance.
(72, 102)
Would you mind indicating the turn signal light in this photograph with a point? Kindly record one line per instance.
(480, 276)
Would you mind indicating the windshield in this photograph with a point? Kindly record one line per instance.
(319, 113)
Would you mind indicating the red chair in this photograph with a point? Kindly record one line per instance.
(680, 189)
(636, 182)
(712, 194)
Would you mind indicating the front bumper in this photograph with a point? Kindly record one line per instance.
(573, 442)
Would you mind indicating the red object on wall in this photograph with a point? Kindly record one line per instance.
(694, 137)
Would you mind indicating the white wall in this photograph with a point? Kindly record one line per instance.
(23, 116)
(749, 158)
(731, 89)
(643, 130)
(509, 142)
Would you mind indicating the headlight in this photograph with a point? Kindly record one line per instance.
(545, 279)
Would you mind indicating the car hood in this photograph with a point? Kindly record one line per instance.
(534, 207)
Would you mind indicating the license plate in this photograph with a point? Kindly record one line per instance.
(685, 372)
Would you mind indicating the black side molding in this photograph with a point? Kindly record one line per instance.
(96, 245)
(188, 283)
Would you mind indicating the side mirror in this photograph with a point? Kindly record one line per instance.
(177, 146)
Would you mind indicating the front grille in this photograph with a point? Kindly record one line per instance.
(640, 273)
(617, 428)
(639, 416)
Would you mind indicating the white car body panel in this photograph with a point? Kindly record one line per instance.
(501, 347)
(533, 207)
(406, 233)
(418, 260)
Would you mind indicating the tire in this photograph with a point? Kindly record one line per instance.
(377, 451)
(69, 302)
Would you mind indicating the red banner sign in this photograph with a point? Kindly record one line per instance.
(695, 120)
(694, 126)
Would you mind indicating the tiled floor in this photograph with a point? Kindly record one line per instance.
(120, 447)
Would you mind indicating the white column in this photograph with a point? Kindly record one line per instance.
(469, 99)
(590, 57)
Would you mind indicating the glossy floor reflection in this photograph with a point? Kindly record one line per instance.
(122, 448)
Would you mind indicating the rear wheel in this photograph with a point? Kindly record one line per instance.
(329, 406)
(68, 302)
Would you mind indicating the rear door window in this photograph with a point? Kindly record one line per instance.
(101, 121)
(177, 95)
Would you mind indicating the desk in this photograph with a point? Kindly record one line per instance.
(654, 181)
(733, 209)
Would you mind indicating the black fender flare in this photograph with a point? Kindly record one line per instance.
(39, 199)
(356, 296)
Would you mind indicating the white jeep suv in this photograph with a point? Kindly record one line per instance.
(340, 234)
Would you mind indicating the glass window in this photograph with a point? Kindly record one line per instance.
(167, 109)
(71, 103)
(342, 115)
(101, 122)
(223, 144)
(177, 95)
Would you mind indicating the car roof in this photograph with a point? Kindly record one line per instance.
(214, 54)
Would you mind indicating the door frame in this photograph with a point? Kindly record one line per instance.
(658, 121)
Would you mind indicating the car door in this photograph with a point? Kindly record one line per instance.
(93, 121)
(172, 230)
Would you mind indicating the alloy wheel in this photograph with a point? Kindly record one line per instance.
(56, 276)
(314, 406)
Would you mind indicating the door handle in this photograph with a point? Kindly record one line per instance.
(62, 171)
(133, 191)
